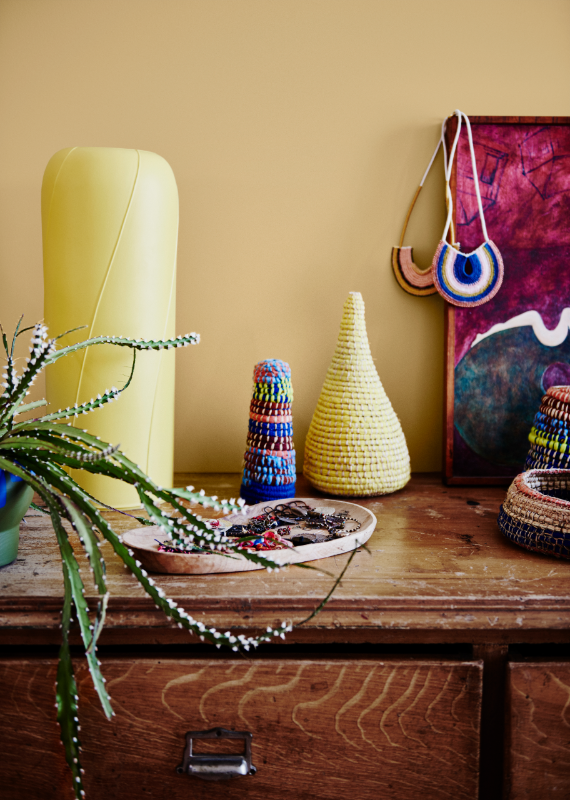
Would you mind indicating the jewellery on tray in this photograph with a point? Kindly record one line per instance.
(466, 279)
(281, 526)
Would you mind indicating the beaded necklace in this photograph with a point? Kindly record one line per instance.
(281, 526)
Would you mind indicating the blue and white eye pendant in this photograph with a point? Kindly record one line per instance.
(467, 279)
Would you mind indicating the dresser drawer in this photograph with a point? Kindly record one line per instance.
(327, 729)
(538, 730)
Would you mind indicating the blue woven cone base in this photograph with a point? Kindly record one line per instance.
(531, 537)
(540, 457)
(258, 492)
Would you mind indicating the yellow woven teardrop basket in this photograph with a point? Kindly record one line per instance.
(355, 446)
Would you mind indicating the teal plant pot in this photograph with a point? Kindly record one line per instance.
(15, 499)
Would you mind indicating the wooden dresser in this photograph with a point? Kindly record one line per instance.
(437, 670)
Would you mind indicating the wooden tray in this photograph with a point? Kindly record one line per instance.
(143, 542)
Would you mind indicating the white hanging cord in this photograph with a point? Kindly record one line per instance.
(435, 152)
(443, 132)
(447, 164)
(459, 115)
(448, 198)
(476, 177)
(448, 169)
(441, 142)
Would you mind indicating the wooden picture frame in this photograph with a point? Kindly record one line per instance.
(527, 160)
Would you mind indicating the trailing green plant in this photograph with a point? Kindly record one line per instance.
(41, 451)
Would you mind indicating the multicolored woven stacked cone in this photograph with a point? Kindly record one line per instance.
(355, 445)
(269, 461)
(549, 446)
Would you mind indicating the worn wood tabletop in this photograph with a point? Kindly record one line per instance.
(437, 570)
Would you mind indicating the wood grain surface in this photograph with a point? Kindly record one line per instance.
(538, 731)
(326, 729)
(438, 570)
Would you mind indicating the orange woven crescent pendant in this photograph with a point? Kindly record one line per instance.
(411, 278)
(355, 445)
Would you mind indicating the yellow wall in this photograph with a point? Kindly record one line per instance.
(297, 131)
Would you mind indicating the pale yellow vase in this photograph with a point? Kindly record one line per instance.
(110, 232)
(355, 445)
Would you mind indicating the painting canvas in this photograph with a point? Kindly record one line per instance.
(503, 355)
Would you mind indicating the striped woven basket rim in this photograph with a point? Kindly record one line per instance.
(528, 482)
(533, 517)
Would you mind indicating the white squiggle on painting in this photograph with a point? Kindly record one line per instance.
(547, 337)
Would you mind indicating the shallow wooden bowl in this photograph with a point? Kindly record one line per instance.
(143, 542)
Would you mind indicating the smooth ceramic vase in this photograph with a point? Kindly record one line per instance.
(110, 232)
(15, 499)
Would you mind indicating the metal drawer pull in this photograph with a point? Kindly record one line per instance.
(217, 767)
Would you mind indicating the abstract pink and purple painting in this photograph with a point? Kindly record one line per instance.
(510, 350)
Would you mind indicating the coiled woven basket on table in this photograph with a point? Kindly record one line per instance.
(536, 512)
(355, 445)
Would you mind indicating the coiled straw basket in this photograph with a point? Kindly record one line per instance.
(355, 445)
(536, 512)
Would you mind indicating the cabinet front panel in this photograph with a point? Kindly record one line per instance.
(322, 729)
(538, 731)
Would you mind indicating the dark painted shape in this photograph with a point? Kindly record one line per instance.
(557, 374)
(498, 389)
